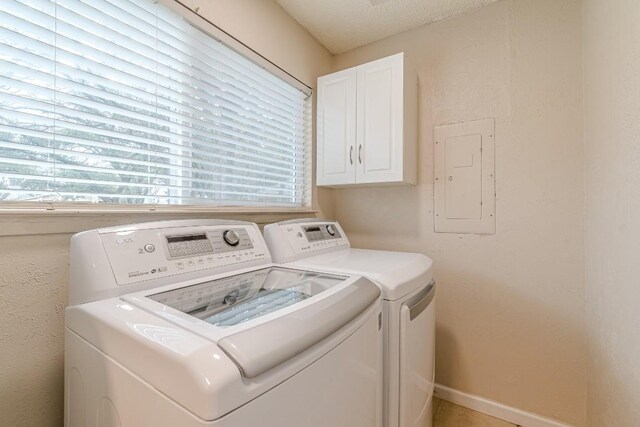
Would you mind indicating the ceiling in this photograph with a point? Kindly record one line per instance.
(342, 25)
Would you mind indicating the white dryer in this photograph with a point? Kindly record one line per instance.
(188, 323)
(408, 293)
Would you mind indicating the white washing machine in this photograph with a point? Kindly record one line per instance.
(189, 323)
(408, 293)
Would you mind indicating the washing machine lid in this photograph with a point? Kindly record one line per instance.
(262, 318)
(397, 273)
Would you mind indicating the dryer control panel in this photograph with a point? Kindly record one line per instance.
(291, 240)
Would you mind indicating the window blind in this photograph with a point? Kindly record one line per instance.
(127, 102)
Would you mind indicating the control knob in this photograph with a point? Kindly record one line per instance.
(331, 229)
(231, 237)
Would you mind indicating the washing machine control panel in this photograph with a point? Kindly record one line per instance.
(314, 236)
(147, 254)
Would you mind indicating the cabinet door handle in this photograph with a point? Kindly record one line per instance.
(351, 154)
(360, 154)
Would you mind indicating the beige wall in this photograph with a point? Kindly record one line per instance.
(612, 173)
(34, 249)
(511, 305)
(511, 324)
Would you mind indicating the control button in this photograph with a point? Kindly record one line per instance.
(231, 237)
(180, 265)
(149, 248)
(200, 261)
(331, 229)
(190, 262)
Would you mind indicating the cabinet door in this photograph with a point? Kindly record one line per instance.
(380, 120)
(336, 139)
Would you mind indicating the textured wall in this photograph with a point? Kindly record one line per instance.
(33, 274)
(510, 305)
(34, 250)
(612, 152)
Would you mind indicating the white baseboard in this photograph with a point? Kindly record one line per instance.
(495, 409)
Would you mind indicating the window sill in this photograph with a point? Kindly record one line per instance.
(38, 220)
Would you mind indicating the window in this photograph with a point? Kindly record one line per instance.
(127, 102)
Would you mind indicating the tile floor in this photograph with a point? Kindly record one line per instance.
(447, 414)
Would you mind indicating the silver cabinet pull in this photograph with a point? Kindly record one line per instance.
(360, 154)
(351, 154)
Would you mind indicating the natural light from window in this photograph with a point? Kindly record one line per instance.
(126, 102)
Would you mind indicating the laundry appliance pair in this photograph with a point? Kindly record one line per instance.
(194, 323)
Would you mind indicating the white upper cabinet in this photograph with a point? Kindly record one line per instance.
(367, 124)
